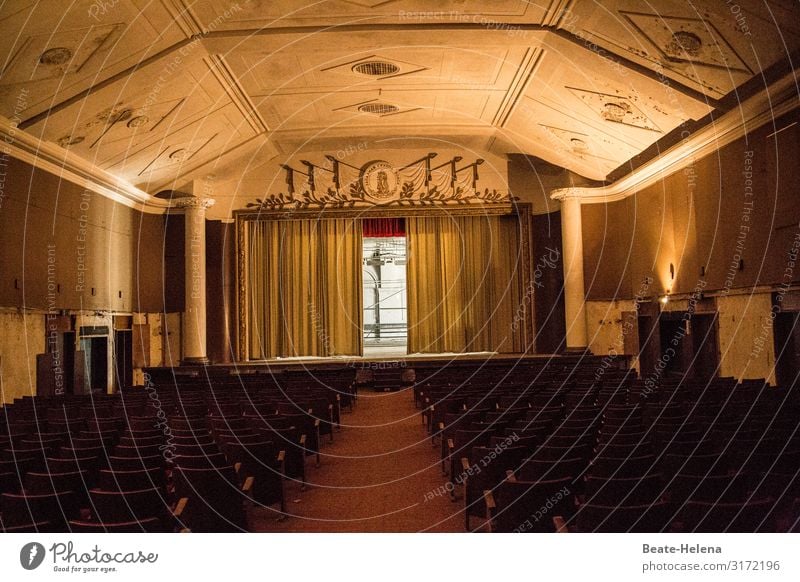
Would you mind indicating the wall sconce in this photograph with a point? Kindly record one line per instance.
(741, 264)
(672, 271)
(703, 271)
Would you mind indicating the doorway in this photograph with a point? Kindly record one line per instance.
(384, 296)
(705, 346)
(786, 334)
(672, 330)
(123, 358)
(95, 358)
(689, 345)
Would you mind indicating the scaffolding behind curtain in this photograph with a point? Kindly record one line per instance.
(464, 284)
(304, 288)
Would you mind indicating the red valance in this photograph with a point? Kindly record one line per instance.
(383, 227)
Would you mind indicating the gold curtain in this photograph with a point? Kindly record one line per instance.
(341, 268)
(464, 284)
(304, 288)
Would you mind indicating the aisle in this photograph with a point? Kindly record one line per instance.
(372, 478)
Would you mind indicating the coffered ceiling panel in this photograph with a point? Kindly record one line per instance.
(463, 68)
(590, 116)
(374, 109)
(709, 45)
(184, 149)
(122, 117)
(48, 54)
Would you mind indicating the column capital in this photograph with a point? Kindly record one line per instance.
(194, 202)
(576, 193)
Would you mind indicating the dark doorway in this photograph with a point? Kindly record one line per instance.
(704, 330)
(649, 349)
(68, 353)
(672, 329)
(123, 358)
(95, 357)
(689, 345)
(786, 335)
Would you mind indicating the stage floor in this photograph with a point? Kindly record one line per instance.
(377, 354)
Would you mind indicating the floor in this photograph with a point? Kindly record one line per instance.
(386, 351)
(376, 353)
(374, 477)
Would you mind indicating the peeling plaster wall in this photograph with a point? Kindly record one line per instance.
(604, 325)
(22, 336)
(746, 344)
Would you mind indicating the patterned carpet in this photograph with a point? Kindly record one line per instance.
(372, 478)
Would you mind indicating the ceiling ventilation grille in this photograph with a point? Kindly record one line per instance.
(376, 68)
(378, 108)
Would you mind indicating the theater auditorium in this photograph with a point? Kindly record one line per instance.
(399, 266)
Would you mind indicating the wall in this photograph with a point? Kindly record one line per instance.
(22, 336)
(547, 285)
(605, 325)
(738, 203)
(743, 321)
(65, 248)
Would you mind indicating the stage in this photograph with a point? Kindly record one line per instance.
(470, 360)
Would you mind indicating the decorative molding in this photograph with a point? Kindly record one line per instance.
(177, 154)
(56, 160)
(519, 85)
(193, 202)
(765, 106)
(183, 17)
(688, 40)
(241, 295)
(378, 184)
(56, 55)
(616, 108)
(525, 212)
(556, 12)
(333, 199)
(236, 93)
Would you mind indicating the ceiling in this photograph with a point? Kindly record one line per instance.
(161, 92)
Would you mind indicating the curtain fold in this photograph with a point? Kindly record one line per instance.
(304, 288)
(464, 279)
(341, 269)
(383, 227)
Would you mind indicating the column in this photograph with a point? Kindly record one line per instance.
(574, 291)
(194, 315)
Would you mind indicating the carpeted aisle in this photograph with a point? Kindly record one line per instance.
(372, 478)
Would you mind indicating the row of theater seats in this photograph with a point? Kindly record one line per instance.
(569, 452)
(158, 459)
